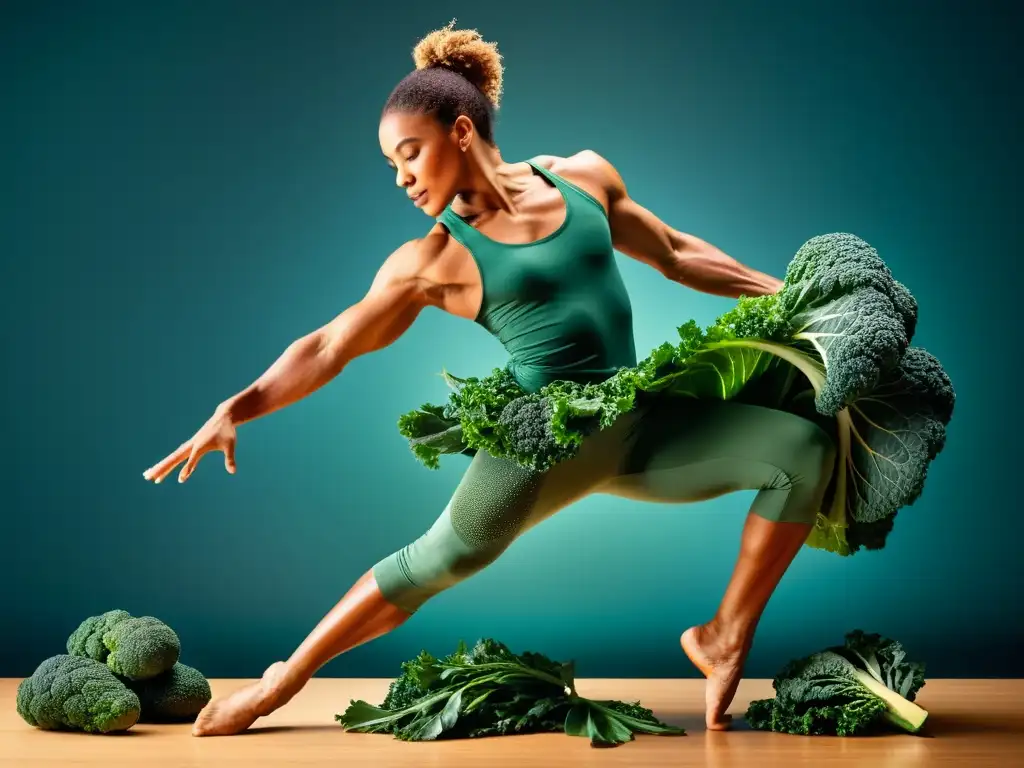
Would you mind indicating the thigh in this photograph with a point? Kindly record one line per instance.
(497, 499)
(686, 451)
(494, 503)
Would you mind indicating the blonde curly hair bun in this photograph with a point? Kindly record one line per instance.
(463, 51)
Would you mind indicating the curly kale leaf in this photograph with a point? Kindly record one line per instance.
(863, 686)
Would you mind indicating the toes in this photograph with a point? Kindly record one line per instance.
(204, 723)
(722, 723)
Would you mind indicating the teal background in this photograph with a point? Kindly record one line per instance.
(189, 187)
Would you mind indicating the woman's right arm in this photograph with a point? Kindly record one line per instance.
(396, 297)
(398, 293)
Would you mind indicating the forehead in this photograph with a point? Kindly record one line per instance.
(396, 126)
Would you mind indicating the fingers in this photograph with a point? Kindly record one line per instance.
(186, 471)
(229, 456)
(159, 471)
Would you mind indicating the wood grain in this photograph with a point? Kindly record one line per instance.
(971, 723)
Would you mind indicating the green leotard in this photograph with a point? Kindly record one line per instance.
(558, 304)
(560, 308)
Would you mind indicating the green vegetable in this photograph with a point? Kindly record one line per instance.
(833, 345)
(176, 695)
(861, 687)
(119, 670)
(76, 693)
(134, 647)
(489, 691)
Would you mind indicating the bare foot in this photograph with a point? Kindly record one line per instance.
(720, 660)
(238, 710)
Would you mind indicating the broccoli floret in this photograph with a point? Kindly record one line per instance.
(87, 639)
(841, 298)
(76, 693)
(830, 266)
(133, 647)
(845, 690)
(173, 696)
(527, 421)
(142, 647)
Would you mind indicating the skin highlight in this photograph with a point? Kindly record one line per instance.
(509, 203)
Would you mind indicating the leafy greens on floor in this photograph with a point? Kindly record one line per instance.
(490, 691)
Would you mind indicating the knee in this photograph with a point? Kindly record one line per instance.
(455, 563)
(436, 561)
(813, 463)
(817, 451)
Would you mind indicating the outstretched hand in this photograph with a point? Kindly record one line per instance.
(217, 434)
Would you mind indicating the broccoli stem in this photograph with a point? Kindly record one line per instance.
(899, 711)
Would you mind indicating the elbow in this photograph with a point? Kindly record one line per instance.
(682, 262)
(328, 346)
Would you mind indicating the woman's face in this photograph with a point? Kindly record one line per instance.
(426, 157)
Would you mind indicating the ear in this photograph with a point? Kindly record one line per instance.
(464, 133)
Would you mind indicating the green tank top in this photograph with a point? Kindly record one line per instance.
(558, 304)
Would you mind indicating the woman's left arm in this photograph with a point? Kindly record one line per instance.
(679, 256)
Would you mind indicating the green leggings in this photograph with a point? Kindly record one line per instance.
(673, 451)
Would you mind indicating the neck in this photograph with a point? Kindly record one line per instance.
(489, 186)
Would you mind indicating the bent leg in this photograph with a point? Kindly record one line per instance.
(692, 451)
(687, 451)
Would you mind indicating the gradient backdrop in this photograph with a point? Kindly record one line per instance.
(187, 189)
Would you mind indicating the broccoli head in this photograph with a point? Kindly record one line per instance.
(528, 423)
(172, 696)
(76, 693)
(133, 647)
(87, 639)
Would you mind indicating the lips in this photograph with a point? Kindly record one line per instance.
(418, 199)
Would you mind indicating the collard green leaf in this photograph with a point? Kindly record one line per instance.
(490, 691)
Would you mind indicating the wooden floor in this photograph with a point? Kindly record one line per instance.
(971, 723)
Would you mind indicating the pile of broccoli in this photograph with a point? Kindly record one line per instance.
(119, 670)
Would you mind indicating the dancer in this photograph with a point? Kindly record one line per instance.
(526, 250)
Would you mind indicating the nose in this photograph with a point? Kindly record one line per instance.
(403, 179)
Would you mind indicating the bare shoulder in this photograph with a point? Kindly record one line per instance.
(416, 255)
(415, 260)
(589, 170)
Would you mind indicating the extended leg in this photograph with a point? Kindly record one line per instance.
(493, 505)
(689, 452)
(360, 616)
